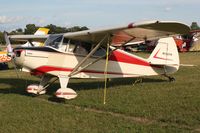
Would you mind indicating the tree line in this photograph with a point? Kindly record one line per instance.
(32, 28)
(194, 26)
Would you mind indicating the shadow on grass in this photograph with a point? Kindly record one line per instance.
(18, 86)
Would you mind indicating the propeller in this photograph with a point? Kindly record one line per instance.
(8, 44)
(10, 52)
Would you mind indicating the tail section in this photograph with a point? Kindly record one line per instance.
(165, 54)
(42, 31)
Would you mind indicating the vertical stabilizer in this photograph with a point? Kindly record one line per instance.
(40, 31)
(165, 53)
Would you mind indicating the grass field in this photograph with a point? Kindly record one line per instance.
(155, 105)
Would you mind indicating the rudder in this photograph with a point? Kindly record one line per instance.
(166, 54)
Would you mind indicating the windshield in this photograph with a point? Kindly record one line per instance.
(54, 41)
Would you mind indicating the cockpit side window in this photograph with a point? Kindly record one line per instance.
(75, 46)
(54, 41)
(68, 45)
(100, 52)
(80, 49)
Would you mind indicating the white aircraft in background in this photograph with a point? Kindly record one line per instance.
(4, 54)
(91, 54)
(40, 31)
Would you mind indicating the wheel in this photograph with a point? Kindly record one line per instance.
(66, 93)
(172, 79)
(34, 89)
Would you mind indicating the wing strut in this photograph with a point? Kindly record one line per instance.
(75, 70)
(99, 58)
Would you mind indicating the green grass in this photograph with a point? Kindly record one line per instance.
(155, 105)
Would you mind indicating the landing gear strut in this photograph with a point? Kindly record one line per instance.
(64, 92)
(139, 80)
(171, 79)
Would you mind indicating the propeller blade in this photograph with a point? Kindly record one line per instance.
(9, 47)
(10, 52)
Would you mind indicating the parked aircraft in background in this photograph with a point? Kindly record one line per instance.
(4, 57)
(4, 54)
(40, 31)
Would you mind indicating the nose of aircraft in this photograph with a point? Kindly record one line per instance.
(18, 57)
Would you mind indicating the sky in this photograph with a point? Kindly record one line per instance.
(94, 13)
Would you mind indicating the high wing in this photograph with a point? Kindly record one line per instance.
(146, 30)
(25, 38)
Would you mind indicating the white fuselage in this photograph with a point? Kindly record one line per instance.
(54, 62)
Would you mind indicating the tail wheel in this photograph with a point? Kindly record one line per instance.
(172, 79)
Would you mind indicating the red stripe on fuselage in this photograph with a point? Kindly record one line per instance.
(125, 58)
(156, 56)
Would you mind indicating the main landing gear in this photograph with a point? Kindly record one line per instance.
(63, 92)
(34, 89)
(41, 88)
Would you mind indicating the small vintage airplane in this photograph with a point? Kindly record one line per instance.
(92, 54)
